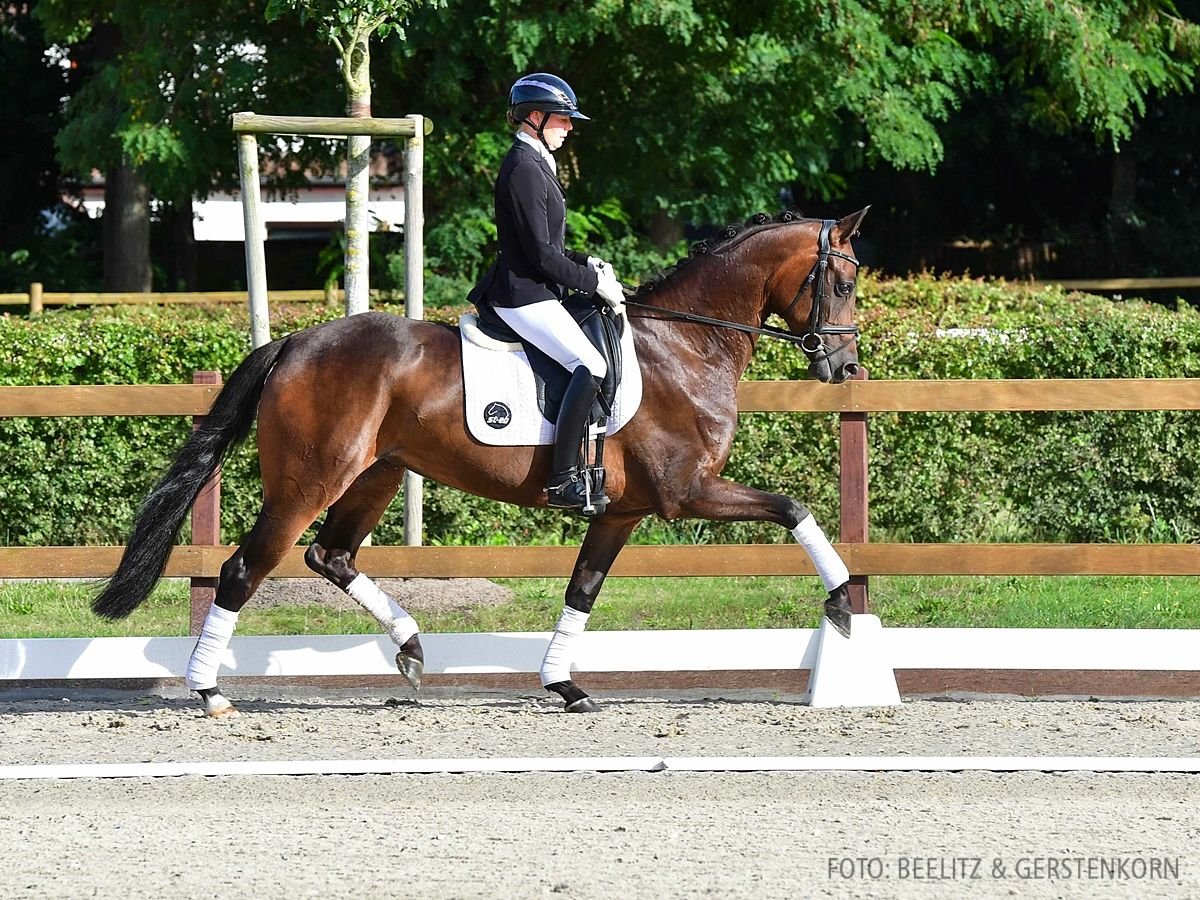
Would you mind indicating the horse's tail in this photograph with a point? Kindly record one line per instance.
(162, 513)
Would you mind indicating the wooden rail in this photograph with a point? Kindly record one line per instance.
(1128, 284)
(709, 560)
(994, 395)
(37, 297)
(853, 401)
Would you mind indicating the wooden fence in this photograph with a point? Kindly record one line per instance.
(853, 401)
(37, 298)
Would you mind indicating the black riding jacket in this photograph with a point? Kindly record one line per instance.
(531, 215)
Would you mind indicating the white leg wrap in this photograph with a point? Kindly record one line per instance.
(210, 648)
(829, 565)
(387, 612)
(556, 665)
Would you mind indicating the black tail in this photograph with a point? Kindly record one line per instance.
(162, 512)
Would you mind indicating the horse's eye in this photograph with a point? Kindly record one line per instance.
(844, 288)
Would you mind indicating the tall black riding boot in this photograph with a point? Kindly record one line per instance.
(565, 488)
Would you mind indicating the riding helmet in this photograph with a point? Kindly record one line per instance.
(545, 92)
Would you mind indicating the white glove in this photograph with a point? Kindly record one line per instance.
(595, 263)
(609, 289)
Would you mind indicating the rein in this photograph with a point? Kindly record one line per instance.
(811, 342)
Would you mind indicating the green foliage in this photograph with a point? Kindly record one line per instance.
(349, 25)
(934, 477)
(703, 110)
(163, 79)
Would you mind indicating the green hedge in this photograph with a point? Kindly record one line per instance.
(934, 477)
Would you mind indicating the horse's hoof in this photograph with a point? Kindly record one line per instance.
(411, 662)
(582, 705)
(575, 699)
(837, 609)
(216, 706)
(839, 618)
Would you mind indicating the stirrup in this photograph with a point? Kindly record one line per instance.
(574, 493)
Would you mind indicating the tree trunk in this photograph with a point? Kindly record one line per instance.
(356, 69)
(665, 232)
(181, 265)
(1123, 197)
(126, 227)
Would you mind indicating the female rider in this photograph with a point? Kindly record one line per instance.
(533, 274)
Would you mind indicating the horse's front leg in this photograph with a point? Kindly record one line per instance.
(604, 539)
(719, 499)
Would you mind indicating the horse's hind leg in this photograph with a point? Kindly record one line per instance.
(332, 555)
(273, 534)
(604, 540)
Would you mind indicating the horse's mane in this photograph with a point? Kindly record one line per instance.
(729, 236)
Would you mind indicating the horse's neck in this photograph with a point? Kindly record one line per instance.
(716, 288)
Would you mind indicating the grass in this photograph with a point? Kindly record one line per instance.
(60, 609)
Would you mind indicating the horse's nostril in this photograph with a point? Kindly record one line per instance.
(850, 370)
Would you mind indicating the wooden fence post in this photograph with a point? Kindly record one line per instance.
(853, 489)
(35, 299)
(206, 524)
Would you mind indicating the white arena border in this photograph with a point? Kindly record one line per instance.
(546, 765)
(604, 651)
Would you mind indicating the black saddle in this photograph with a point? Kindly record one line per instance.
(600, 326)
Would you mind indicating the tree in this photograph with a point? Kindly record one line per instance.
(153, 111)
(349, 26)
(705, 110)
(32, 214)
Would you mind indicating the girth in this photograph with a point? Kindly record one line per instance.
(604, 332)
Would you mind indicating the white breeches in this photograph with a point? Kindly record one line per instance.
(829, 565)
(551, 329)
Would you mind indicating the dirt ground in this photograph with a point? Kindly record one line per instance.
(417, 595)
(594, 835)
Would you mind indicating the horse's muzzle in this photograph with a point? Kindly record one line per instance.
(837, 365)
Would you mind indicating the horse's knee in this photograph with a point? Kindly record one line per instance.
(336, 566)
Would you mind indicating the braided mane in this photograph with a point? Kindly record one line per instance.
(730, 236)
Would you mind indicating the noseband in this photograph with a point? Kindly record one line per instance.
(812, 341)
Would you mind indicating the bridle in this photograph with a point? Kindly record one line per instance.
(812, 341)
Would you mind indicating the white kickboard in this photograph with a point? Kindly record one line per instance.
(854, 671)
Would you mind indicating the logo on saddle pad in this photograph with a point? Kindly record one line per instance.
(497, 414)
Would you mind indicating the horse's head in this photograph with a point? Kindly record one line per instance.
(814, 292)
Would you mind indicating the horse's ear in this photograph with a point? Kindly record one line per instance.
(848, 227)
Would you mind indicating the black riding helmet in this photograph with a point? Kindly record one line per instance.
(543, 92)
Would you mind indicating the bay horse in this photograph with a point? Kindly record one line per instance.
(344, 408)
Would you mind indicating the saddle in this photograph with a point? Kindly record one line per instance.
(603, 329)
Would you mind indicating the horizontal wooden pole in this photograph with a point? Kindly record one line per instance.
(14, 299)
(718, 560)
(995, 395)
(108, 400)
(971, 395)
(1122, 284)
(94, 298)
(325, 126)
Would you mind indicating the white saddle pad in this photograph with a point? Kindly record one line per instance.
(502, 407)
